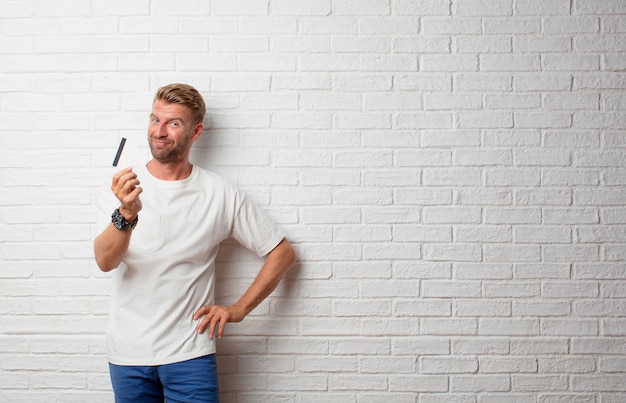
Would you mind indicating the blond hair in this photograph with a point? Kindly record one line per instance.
(186, 95)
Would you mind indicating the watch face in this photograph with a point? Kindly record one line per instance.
(119, 221)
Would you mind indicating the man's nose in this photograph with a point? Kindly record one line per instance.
(161, 130)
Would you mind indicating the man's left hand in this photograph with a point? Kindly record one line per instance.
(216, 317)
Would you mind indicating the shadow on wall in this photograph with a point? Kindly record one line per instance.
(244, 353)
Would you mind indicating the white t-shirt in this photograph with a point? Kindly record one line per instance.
(169, 269)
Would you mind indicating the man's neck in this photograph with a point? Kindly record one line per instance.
(171, 171)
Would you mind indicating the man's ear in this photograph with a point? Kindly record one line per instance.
(197, 131)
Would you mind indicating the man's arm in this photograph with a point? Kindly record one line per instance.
(276, 265)
(111, 245)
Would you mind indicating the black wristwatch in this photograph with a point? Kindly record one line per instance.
(122, 223)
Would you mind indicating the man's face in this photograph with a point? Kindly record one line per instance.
(171, 132)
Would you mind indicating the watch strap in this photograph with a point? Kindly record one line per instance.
(121, 223)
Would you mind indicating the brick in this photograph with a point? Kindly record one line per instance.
(350, 121)
(482, 158)
(447, 365)
(513, 216)
(512, 253)
(544, 81)
(544, 382)
(612, 23)
(451, 177)
(480, 383)
(362, 196)
(598, 345)
(239, 7)
(577, 253)
(400, 251)
(571, 216)
(599, 80)
(487, 8)
(500, 101)
(566, 365)
(485, 120)
(599, 271)
(569, 62)
(542, 234)
(418, 383)
(421, 7)
(614, 252)
(513, 25)
(391, 214)
(516, 290)
(451, 26)
(443, 215)
(537, 7)
(451, 101)
(392, 101)
(606, 383)
(585, 197)
(422, 308)
(426, 81)
(543, 345)
(400, 63)
(482, 308)
(496, 44)
(569, 327)
(541, 308)
(417, 233)
(389, 179)
(362, 308)
(480, 345)
(612, 364)
(421, 45)
(393, 327)
(570, 101)
(515, 63)
(387, 365)
(447, 289)
(452, 63)
(437, 138)
(607, 7)
(598, 308)
(496, 365)
(329, 62)
(429, 270)
(509, 327)
(449, 252)
(289, 382)
(308, 8)
(423, 158)
(360, 8)
(422, 120)
(613, 102)
(571, 25)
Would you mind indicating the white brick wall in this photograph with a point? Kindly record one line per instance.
(452, 173)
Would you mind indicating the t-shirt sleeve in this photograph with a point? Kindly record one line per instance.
(254, 229)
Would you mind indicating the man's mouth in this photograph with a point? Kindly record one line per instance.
(160, 143)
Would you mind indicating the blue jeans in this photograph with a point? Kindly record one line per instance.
(182, 382)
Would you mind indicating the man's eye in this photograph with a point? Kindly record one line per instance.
(175, 124)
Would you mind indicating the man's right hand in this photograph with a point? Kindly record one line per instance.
(126, 188)
(111, 245)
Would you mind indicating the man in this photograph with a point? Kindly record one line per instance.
(161, 246)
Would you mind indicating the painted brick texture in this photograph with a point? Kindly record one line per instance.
(451, 172)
